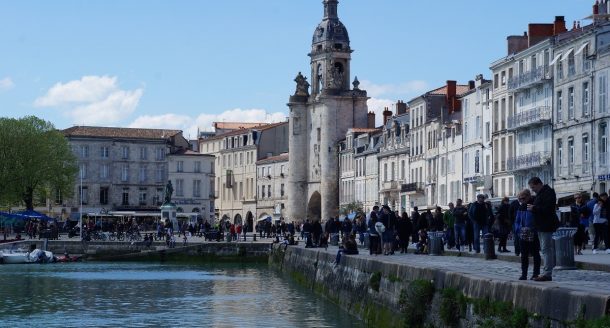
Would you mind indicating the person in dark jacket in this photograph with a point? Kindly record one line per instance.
(512, 214)
(546, 223)
(374, 237)
(524, 226)
(502, 224)
(460, 216)
(478, 214)
(415, 216)
(404, 229)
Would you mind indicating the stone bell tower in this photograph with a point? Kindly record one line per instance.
(318, 120)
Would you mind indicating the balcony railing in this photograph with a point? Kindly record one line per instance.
(529, 161)
(390, 185)
(413, 188)
(526, 118)
(527, 79)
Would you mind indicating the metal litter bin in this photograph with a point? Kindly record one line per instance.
(435, 243)
(489, 247)
(564, 248)
(367, 240)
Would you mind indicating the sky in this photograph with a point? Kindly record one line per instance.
(184, 64)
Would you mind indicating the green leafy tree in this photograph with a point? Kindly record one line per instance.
(35, 161)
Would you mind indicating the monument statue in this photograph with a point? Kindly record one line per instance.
(302, 85)
(169, 190)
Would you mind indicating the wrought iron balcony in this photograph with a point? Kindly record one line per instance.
(527, 79)
(529, 161)
(533, 116)
(413, 188)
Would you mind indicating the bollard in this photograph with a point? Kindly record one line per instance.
(435, 243)
(254, 236)
(564, 248)
(489, 247)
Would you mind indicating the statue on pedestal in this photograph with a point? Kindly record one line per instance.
(302, 85)
(169, 190)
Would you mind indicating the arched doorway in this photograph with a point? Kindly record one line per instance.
(237, 220)
(249, 221)
(314, 207)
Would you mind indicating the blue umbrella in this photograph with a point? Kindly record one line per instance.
(33, 215)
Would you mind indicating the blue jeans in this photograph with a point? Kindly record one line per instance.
(477, 235)
(548, 252)
(460, 234)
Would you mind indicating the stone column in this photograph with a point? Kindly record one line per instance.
(297, 161)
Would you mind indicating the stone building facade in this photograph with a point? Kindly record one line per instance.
(318, 120)
(271, 182)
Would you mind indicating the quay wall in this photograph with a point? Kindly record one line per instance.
(385, 294)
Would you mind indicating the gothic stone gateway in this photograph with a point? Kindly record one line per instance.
(320, 119)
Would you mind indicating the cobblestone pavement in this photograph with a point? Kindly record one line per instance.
(578, 280)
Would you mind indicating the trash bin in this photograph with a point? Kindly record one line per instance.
(435, 243)
(564, 249)
(334, 239)
(367, 240)
(489, 247)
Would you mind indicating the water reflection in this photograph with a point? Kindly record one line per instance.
(147, 295)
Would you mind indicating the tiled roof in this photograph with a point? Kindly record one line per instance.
(188, 152)
(273, 159)
(244, 130)
(236, 125)
(112, 132)
(459, 89)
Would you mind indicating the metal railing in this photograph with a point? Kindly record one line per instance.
(414, 187)
(528, 78)
(529, 161)
(529, 117)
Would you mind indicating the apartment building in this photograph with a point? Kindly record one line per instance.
(271, 182)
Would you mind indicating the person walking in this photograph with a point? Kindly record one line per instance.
(460, 216)
(546, 223)
(600, 222)
(525, 228)
(415, 217)
(403, 229)
(449, 223)
(501, 225)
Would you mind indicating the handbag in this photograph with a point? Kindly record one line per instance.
(526, 234)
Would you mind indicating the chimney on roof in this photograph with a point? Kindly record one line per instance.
(471, 85)
(401, 107)
(386, 115)
(517, 43)
(596, 7)
(559, 26)
(370, 120)
(450, 97)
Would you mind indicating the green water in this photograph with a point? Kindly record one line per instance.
(159, 295)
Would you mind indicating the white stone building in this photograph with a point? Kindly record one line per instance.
(367, 175)
(476, 158)
(192, 177)
(271, 182)
(320, 119)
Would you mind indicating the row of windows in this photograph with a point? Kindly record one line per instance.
(104, 152)
(104, 196)
(104, 172)
(237, 159)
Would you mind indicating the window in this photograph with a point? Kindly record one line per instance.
(585, 148)
(125, 172)
(142, 196)
(466, 163)
(476, 162)
(180, 166)
(84, 195)
(196, 188)
(142, 173)
(83, 171)
(402, 169)
(179, 187)
(262, 192)
(602, 93)
(603, 142)
(466, 131)
(158, 196)
(571, 151)
(385, 171)
(269, 191)
(125, 152)
(393, 171)
(125, 198)
(103, 195)
(104, 171)
(160, 154)
(159, 173)
(559, 64)
(143, 153)
(104, 153)
(571, 103)
(282, 190)
(487, 131)
(84, 151)
(560, 152)
(559, 106)
(585, 99)
(197, 167)
(477, 127)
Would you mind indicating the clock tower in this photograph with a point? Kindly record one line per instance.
(320, 118)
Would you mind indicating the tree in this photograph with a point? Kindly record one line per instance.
(35, 161)
(353, 207)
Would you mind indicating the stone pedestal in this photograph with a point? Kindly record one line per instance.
(168, 213)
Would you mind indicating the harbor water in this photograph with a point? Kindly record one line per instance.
(159, 295)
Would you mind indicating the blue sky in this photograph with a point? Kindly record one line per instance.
(183, 64)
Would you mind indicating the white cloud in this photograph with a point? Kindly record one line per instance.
(92, 100)
(404, 90)
(190, 125)
(6, 84)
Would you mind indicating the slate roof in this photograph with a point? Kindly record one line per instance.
(113, 132)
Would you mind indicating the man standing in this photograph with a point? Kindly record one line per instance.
(460, 215)
(546, 223)
(449, 221)
(478, 214)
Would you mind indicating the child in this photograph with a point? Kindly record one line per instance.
(422, 244)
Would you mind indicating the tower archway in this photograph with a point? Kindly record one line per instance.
(314, 207)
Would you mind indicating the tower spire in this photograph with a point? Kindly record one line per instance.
(330, 9)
